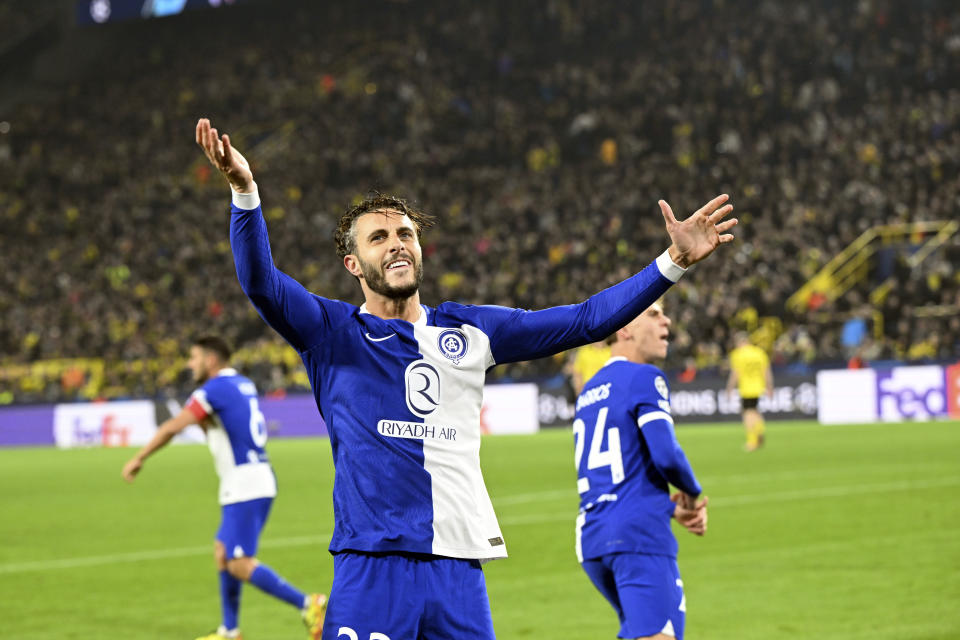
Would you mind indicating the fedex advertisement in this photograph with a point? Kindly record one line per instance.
(104, 424)
(892, 395)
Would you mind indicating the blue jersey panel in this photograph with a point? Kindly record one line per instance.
(624, 496)
(382, 497)
(234, 401)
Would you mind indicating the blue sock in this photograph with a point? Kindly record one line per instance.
(265, 579)
(230, 599)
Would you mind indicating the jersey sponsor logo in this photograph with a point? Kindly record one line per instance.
(423, 388)
(661, 386)
(415, 430)
(596, 394)
(372, 339)
(452, 344)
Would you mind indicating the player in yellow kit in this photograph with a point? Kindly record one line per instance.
(750, 372)
(586, 361)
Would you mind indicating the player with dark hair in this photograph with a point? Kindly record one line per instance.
(627, 455)
(227, 407)
(400, 386)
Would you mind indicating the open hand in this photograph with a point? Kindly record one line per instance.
(225, 158)
(696, 237)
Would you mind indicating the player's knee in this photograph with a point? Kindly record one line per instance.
(241, 568)
(220, 555)
(659, 636)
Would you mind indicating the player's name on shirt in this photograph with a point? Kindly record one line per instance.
(416, 430)
(594, 395)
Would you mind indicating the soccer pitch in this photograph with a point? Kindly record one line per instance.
(829, 532)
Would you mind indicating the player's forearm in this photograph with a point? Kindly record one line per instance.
(612, 308)
(163, 435)
(251, 246)
(677, 471)
(536, 334)
(669, 458)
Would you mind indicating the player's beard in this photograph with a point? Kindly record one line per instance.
(377, 280)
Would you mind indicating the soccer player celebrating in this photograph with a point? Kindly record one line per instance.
(626, 455)
(226, 406)
(400, 386)
(750, 373)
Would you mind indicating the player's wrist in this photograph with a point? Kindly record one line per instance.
(246, 200)
(678, 257)
(243, 186)
(668, 266)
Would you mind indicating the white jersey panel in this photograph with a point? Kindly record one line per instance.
(464, 522)
(238, 483)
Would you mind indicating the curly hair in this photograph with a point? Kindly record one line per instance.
(345, 235)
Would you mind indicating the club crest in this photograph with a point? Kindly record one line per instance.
(453, 345)
(661, 386)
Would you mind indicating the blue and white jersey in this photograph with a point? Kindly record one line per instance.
(402, 400)
(228, 408)
(626, 454)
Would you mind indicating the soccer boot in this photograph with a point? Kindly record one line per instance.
(313, 615)
(222, 634)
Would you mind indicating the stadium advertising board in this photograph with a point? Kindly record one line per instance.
(509, 408)
(891, 395)
(104, 424)
(26, 426)
(793, 398)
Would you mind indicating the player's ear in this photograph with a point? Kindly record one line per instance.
(352, 264)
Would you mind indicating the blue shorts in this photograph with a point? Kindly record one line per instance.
(645, 590)
(240, 526)
(380, 596)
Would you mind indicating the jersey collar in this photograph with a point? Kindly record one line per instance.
(228, 371)
(420, 322)
(614, 359)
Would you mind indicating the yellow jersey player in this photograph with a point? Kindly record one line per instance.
(750, 372)
(586, 361)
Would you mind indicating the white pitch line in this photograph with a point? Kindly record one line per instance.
(543, 518)
(781, 496)
(154, 554)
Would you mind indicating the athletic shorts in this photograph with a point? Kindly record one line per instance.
(380, 596)
(644, 590)
(749, 403)
(240, 526)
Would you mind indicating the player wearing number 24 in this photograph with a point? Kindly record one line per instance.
(400, 386)
(627, 455)
(227, 407)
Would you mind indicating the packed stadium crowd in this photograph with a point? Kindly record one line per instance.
(541, 135)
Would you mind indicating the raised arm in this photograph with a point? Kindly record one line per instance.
(524, 335)
(283, 302)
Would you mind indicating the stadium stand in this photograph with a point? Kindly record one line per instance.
(541, 134)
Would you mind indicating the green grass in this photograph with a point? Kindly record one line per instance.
(830, 532)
